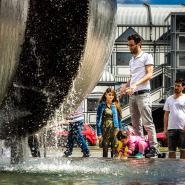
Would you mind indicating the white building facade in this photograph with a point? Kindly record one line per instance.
(162, 28)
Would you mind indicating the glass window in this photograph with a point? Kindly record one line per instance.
(93, 127)
(156, 82)
(83, 128)
(182, 59)
(167, 81)
(182, 42)
(90, 127)
(123, 58)
(92, 104)
(168, 59)
(180, 74)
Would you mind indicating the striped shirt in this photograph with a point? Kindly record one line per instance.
(77, 115)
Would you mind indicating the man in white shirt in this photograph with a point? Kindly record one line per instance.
(174, 120)
(138, 89)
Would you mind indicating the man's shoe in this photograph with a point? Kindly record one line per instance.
(162, 155)
(66, 154)
(87, 155)
(138, 155)
(153, 152)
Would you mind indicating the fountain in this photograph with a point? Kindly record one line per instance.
(93, 171)
(52, 55)
(59, 47)
(66, 43)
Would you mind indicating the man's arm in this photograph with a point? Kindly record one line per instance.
(123, 88)
(165, 120)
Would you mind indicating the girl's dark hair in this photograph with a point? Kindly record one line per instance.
(135, 37)
(115, 100)
(122, 134)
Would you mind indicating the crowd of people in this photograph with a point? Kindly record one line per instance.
(108, 120)
(109, 129)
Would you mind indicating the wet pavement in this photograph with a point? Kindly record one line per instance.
(95, 152)
(58, 152)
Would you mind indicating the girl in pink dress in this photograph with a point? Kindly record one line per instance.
(136, 144)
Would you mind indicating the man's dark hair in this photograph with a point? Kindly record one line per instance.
(180, 81)
(135, 37)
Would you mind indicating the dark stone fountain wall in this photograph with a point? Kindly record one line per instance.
(54, 40)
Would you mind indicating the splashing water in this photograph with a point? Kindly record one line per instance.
(94, 171)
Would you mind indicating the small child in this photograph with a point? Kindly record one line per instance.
(136, 144)
(131, 131)
(124, 154)
(76, 120)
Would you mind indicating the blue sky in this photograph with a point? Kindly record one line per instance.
(164, 2)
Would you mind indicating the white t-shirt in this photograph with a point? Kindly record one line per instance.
(176, 107)
(138, 69)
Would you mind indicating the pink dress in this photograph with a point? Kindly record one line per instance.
(135, 143)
